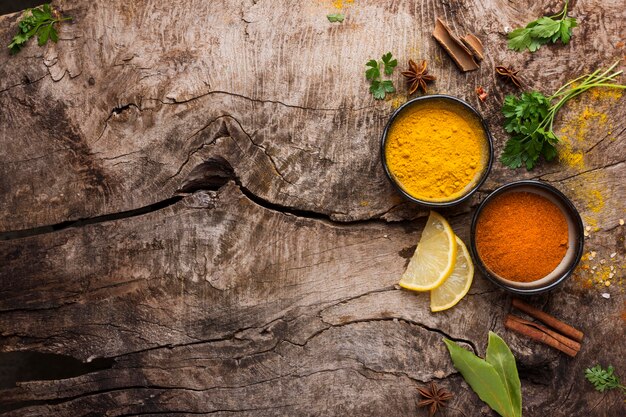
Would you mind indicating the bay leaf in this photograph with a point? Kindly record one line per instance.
(482, 377)
(499, 355)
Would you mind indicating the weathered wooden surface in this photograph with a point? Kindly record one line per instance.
(274, 293)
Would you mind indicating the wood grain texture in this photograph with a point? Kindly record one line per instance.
(193, 191)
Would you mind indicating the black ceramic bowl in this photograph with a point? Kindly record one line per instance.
(575, 239)
(486, 168)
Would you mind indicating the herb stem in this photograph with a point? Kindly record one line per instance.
(562, 12)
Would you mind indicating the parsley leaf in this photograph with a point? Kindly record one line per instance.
(603, 379)
(389, 63)
(39, 21)
(335, 17)
(542, 31)
(374, 72)
(378, 87)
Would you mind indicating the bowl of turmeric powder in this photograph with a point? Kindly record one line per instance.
(436, 150)
(526, 237)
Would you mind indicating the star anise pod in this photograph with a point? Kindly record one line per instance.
(434, 397)
(417, 75)
(510, 74)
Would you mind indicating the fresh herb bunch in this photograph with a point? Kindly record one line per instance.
(603, 379)
(494, 379)
(543, 30)
(38, 21)
(379, 86)
(530, 118)
(335, 17)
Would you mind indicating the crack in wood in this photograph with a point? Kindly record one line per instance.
(256, 100)
(40, 230)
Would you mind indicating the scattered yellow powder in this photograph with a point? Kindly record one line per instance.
(601, 93)
(338, 4)
(568, 156)
(397, 101)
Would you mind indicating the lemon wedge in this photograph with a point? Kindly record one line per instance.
(434, 257)
(457, 284)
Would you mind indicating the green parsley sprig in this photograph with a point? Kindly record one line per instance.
(543, 30)
(530, 118)
(603, 379)
(379, 87)
(39, 21)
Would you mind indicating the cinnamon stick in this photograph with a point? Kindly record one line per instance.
(549, 320)
(454, 47)
(563, 339)
(538, 335)
(474, 45)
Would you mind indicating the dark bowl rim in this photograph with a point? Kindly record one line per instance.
(479, 183)
(573, 212)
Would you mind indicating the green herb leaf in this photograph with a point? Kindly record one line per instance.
(335, 17)
(38, 21)
(378, 87)
(543, 30)
(603, 379)
(519, 39)
(482, 377)
(390, 64)
(388, 86)
(373, 72)
(43, 34)
(378, 90)
(499, 355)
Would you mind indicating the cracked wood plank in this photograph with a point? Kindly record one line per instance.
(268, 289)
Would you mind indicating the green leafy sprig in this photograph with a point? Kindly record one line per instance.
(379, 87)
(335, 17)
(39, 21)
(530, 118)
(543, 30)
(494, 379)
(603, 379)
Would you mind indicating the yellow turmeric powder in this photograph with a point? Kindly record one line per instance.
(436, 150)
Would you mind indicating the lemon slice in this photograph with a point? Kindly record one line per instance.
(434, 257)
(457, 284)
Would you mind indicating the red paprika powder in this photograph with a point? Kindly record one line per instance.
(521, 236)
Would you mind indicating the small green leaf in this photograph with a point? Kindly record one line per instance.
(549, 151)
(546, 27)
(390, 64)
(335, 17)
(482, 377)
(40, 14)
(43, 34)
(388, 86)
(54, 36)
(378, 90)
(499, 355)
(372, 74)
(519, 39)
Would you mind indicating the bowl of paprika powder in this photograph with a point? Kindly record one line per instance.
(526, 237)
